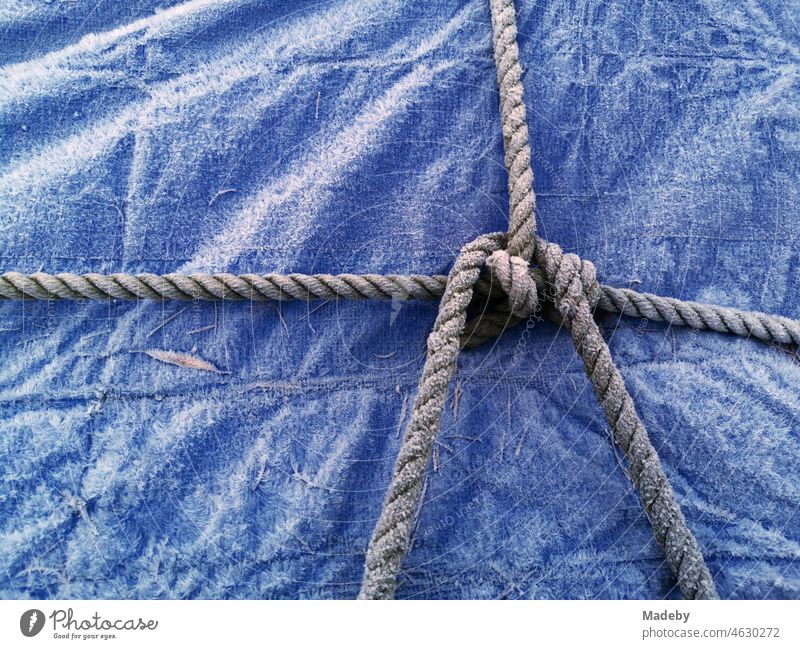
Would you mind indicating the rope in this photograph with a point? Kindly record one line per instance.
(259, 288)
(390, 538)
(576, 293)
(222, 286)
(521, 199)
(563, 286)
(765, 327)
(273, 286)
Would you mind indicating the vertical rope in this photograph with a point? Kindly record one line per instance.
(575, 293)
(521, 199)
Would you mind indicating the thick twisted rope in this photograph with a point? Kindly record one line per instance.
(222, 286)
(722, 319)
(575, 294)
(521, 199)
(389, 542)
(273, 286)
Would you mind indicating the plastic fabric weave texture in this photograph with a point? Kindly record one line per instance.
(364, 137)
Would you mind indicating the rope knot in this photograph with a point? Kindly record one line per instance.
(513, 275)
(570, 279)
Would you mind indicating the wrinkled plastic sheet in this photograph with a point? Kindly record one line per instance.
(363, 136)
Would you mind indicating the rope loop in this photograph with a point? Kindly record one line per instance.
(569, 279)
(391, 537)
(512, 273)
(506, 294)
(564, 280)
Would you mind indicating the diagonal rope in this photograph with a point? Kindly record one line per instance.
(390, 539)
(575, 293)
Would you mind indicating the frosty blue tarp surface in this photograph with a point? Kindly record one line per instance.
(238, 450)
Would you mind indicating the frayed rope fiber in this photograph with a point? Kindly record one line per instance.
(496, 270)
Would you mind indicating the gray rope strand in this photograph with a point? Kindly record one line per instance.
(223, 286)
(273, 286)
(521, 199)
(766, 327)
(575, 293)
(391, 536)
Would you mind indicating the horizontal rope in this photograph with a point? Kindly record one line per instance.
(274, 286)
(722, 319)
(222, 286)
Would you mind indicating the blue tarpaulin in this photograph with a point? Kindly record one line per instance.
(364, 136)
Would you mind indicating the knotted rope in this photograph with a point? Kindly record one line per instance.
(513, 291)
(513, 120)
(575, 293)
(389, 542)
